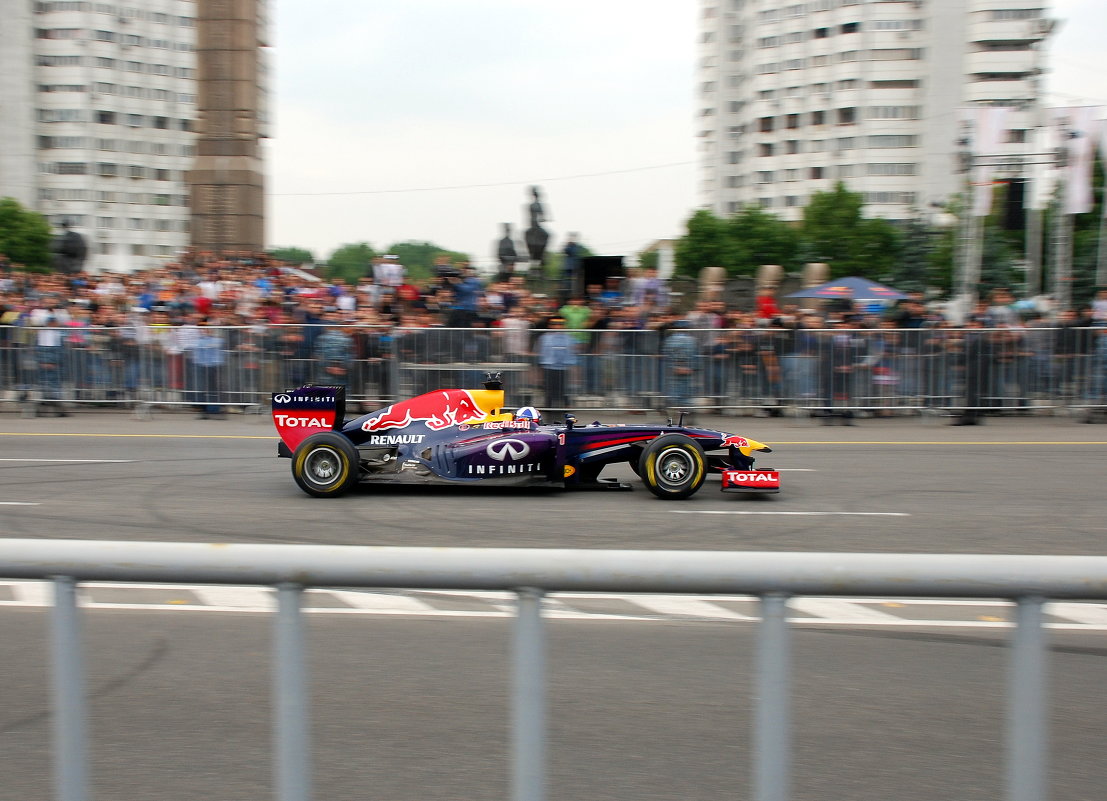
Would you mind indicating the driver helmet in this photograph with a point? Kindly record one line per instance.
(528, 413)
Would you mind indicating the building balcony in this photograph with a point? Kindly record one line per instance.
(985, 91)
(1016, 30)
(1021, 61)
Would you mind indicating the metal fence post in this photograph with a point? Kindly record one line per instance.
(1027, 696)
(291, 767)
(70, 754)
(772, 716)
(528, 700)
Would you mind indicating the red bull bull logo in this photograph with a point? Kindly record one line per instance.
(735, 442)
(437, 410)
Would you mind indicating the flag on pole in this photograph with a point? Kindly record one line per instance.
(1076, 128)
(989, 126)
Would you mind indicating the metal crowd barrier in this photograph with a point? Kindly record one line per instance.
(531, 573)
(765, 371)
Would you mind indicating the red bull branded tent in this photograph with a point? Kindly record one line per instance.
(852, 288)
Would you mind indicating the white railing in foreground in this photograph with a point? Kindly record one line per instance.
(530, 573)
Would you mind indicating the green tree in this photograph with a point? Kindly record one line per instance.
(418, 257)
(350, 262)
(755, 237)
(836, 231)
(24, 235)
(705, 244)
(293, 255)
(1086, 242)
(649, 259)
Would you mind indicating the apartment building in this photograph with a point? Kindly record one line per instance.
(97, 121)
(795, 96)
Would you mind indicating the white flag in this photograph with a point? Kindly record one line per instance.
(989, 126)
(1076, 130)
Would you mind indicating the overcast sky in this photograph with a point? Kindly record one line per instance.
(429, 119)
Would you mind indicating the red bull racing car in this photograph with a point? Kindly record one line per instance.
(459, 436)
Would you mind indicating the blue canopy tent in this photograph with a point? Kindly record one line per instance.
(852, 288)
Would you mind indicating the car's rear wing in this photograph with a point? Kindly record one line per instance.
(308, 410)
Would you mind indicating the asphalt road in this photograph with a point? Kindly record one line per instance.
(417, 711)
(1013, 486)
(411, 708)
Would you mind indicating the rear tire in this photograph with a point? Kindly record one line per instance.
(673, 467)
(326, 465)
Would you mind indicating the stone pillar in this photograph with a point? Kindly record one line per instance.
(227, 181)
(815, 273)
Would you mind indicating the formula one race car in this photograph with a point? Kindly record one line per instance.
(461, 436)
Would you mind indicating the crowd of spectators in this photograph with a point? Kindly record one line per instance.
(209, 325)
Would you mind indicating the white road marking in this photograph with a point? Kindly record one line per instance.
(809, 514)
(378, 602)
(840, 610)
(236, 597)
(81, 461)
(18, 503)
(1090, 614)
(32, 593)
(823, 611)
(685, 607)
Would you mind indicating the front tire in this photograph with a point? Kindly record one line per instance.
(673, 467)
(325, 465)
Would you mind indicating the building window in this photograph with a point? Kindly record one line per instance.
(851, 27)
(765, 177)
(898, 84)
(817, 173)
(792, 121)
(897, 54)
(818, 118)
(891, 198)
(847, 116)
(1004, 47)
(71, 168)
(893, 169)
(822, 33)
(1016, 13)
(765, 124)
(792, 147)
(765, 149)
(107, 170)
(893, 112)
(892, 140)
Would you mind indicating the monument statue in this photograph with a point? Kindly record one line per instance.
(505, 252)
(536, 236)
(70, 251)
